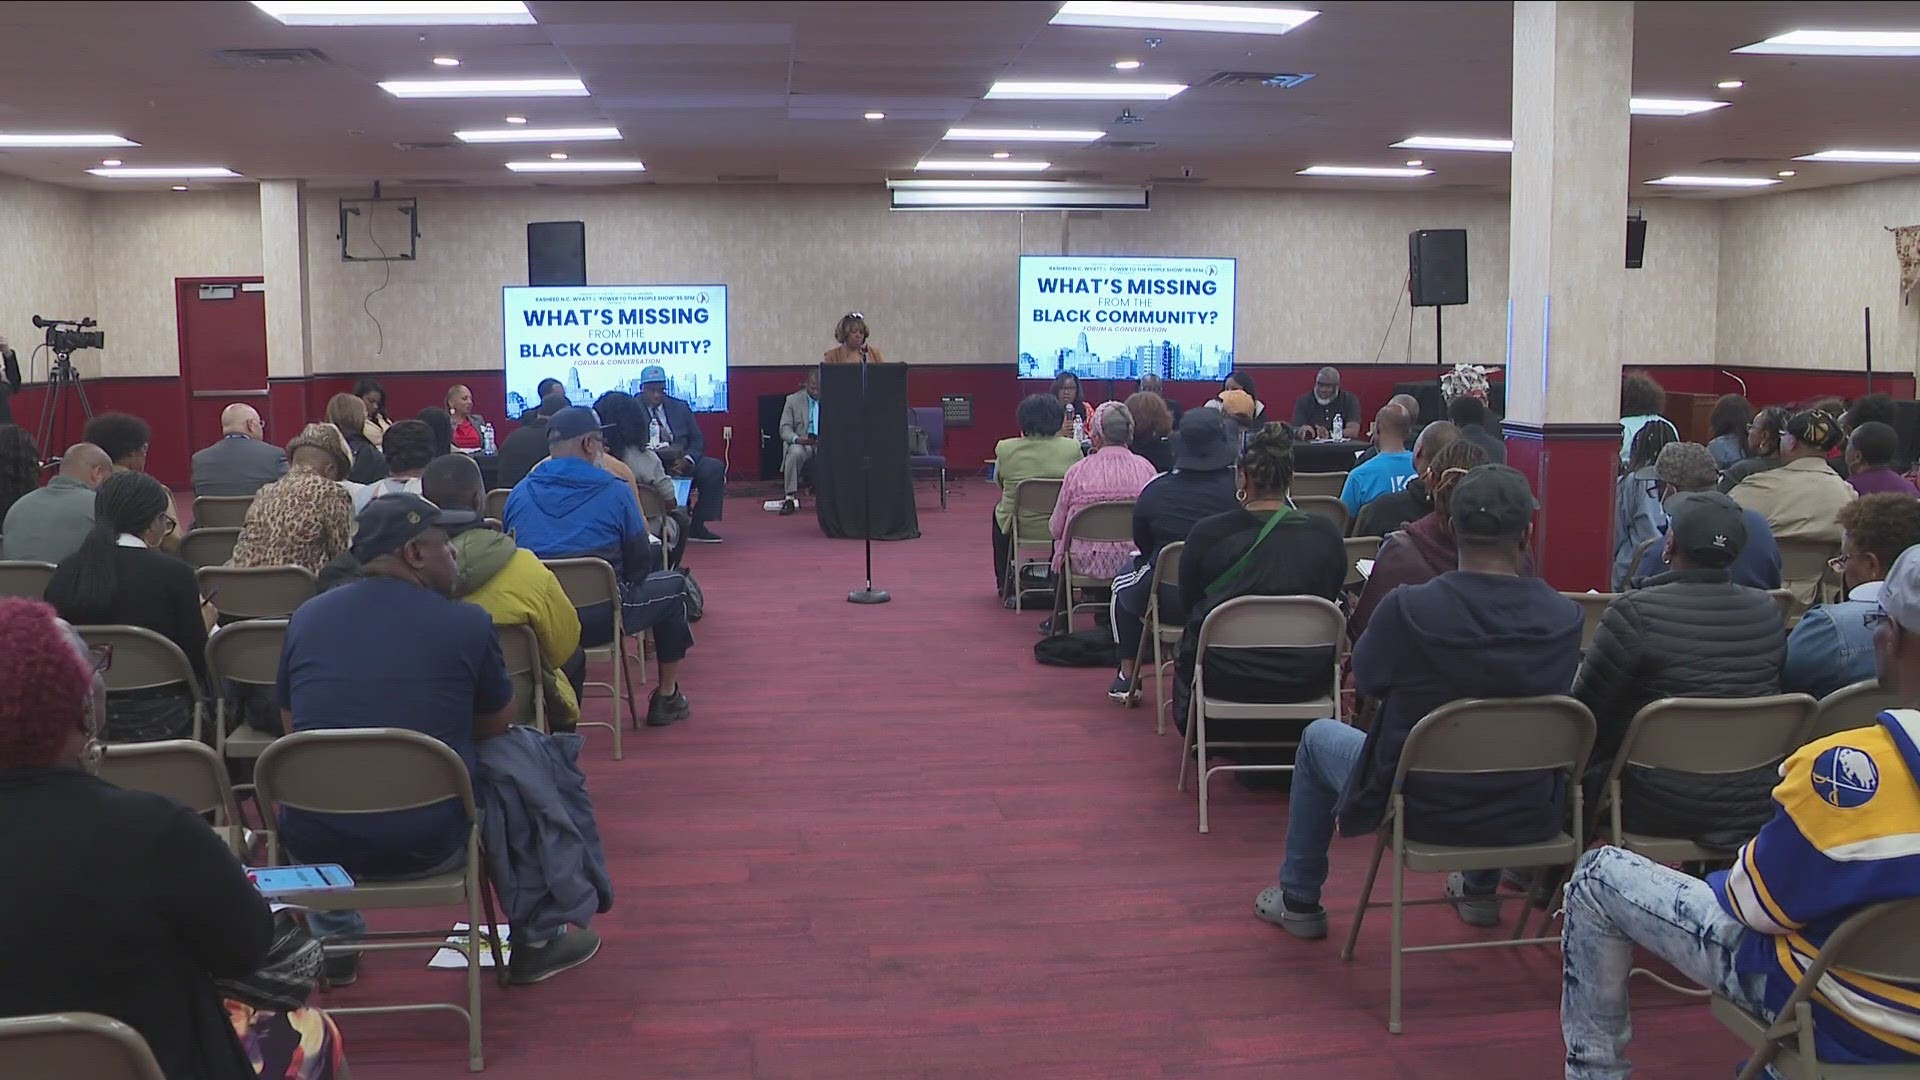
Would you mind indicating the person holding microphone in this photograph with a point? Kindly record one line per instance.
(851, 333)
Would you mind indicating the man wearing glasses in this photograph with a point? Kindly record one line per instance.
(1832, 645)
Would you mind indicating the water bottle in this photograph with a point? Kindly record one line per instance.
(486, 438)
(1339, 427)
(1079, 428)
(653, 433)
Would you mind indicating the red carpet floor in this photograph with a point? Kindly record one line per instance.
(888, 844)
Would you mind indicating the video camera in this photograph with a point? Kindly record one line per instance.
(66, 335)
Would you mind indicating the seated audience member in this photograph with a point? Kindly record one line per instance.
(467, 425)
(1038, 453)
(1390, 513)
(1731, 416)
(442, 425)
(1387, 471)
(1684, 468)
(407, 447)
(1832, 644)
(1074, 407)
(1255, 412)
(1112, 473)
(570, 507)
(543, 390)
(449, 682)
(124, 437)
(1802, 498)
(1870, 457)
(1690, 632)
(1152, 426)
(1820, 859)
(1263, 547)
(631, 457)
(305, 518)
(1409, 405)
(1637, 516)
(47, 525)
(19, 465)
(1200, 485)
(1878, 409)
(799, 438)
(1763, 446)
(683, 450)
(1424, 548)
(1469, 414)
(374, 397)
(348, 414)
(1313, 411)
(1642, 401)
(527, 446)
(1152, 384)
(510, 582)
(1484, 630)
(175, 912)
(1240, 407)
(116, 577)
(242, 462)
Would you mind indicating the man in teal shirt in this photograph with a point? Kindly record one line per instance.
(1387, 471)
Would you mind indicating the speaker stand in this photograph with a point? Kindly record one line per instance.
(1440, 352)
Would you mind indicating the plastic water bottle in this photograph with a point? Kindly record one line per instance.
(653, 434)
(1339, 427)
(1079, 428)
(486, 438)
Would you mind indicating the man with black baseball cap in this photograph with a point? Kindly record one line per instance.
(1484, 630)
(527, 446)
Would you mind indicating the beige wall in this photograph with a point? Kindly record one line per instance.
(140, 244)
(46, 261)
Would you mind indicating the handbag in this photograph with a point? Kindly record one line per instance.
(287, 976)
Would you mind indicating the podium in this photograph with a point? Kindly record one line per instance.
(863, 440)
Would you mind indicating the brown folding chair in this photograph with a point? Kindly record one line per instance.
(1166, 568)
(208, 547)
(24, 578)
(1101, 522)
(1326, 506)
(84, 1046)
(496, 503)
(1035, 496)
(1849, 707)
(1804, 571)
(520, 648)
(1877, 942)
(221, 511)
(653, 507)
(1260, 622)
(1784, 598)
(1639, 556)
(377, 771)
(257, 592)
(586, 582)
(247, 653)
(1328, 484)
(1592, 606)
(1360, 547)
(187, 772)
(1476, 737)
(144, 660)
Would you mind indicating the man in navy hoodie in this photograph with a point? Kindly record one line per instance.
(569, 507)
(1485, 630)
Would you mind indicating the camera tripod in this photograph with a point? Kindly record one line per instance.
(59, 377)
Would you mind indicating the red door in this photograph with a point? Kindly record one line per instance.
(223, 350)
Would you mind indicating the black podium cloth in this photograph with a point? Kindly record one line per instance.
(1326, 456)
(863, 430)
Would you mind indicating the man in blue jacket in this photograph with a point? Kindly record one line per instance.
(683, 450)
(1483, 631)
(569, 507)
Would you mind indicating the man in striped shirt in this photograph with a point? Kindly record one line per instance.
(1845, 834)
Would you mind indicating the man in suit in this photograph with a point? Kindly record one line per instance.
(240, 463)
(682, 449)
(800, 434)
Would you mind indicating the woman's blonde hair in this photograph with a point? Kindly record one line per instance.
(850, 324)
(347, 412)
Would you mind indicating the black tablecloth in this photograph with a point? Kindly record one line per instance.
(1326, 456)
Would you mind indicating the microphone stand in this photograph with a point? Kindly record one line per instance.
(868, 595)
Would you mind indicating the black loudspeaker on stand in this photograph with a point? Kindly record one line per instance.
(556, 253)
(1437, 277)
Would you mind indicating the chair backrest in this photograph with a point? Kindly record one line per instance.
(1360, 547)
(1166, 568)
(1783, 597)
(220, 511)
(1877, 942)
(520, 648)
(1488, 735)
(1329, 484)
(1035, 496)
(23, 578)
(78, 1045)
(586, 581)
(245, 652)
(931, 419)
(1273, 622)
(1592, 606)
(1326, 506)
(257, 592)
(1805, 560)
(142, 659)
(361, 771)
(208, 547)
(1715, 735)
(496, 504)
(1640, 555)
(186, 771)
(1103, 522)
(1849, 707)
(651, 504)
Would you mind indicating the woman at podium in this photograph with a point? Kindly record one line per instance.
(851, 333)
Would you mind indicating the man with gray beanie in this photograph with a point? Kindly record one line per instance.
(1689, 467)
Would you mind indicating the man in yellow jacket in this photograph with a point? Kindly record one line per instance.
(512, 584)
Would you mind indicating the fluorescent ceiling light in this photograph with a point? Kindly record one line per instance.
(576, 166)
(446, 61)
(1217, 18)
(1065, 135)
(1083, 91)
(982, 166)
(1450, 142)
(183, 172)
(479, 88)
(875, 115)
(970, 185)
(534, 134)
(1730, 84)
(1839, 43)
(398, 12)
(1359, 170)
(22, 139)
(1716, 181)
(1883, 157)
(1672, 106)
(1013, 195)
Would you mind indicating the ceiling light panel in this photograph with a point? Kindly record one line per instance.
(484, 88)
(1083, 91)
(1876, 157)
(1672, 106)
(183, 172)
(576, 166)
(1839, 43)
(1716, 181)
(1213, 18)
(1059, 135)
(398, 12)
(33, 139)
(534, 134)
(982, 166)
(1453, 142)
(1360, 170)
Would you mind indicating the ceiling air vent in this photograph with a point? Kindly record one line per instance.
(429, 144)
(748, 178)
(1272, 80)
(1123, 144)
(272, 57)
(1739, 161)
(1176, 179)
(444, 181)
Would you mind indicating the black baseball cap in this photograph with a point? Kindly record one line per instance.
(1204, 441)
(390, 521)
(553, 403)
(1707, 527)
(1493, 502)
(573, 422)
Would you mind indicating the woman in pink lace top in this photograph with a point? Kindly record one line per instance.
(1112, 473)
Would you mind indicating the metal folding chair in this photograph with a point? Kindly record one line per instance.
(257, 592)
(1166, 568)
(1101, 522)
(1849, 707)
(1326, 506)
(520, 648)
(246, 653)
(83, 1046)
(187, 772)
(24, 578)
(1327, 484)
(144, 660)
(496, 503)
(1035, 496)
(208, 547)
(1592, 606)
(221, 511)
(1804, 570)
(586, 582)
(1360, 547)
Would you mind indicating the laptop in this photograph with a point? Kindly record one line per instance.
(682, 489)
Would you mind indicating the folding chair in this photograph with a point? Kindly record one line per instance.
(1260, 622)
(1784, 597)
(25, 578)
(378, 771)
(1101, 522)
(1360, 547)
(257, 592)
(220, 511)
(1849, 707)
(86, 1046)
(247, 653)
(1166, 568)
(1877, 942)
(144, 660)
(1318, 484)
(1639, 556)
(496, 503)
(1326, 506)
(187, 772)
(520, 647)
(1035, 496)
(1804, 568)
(1478, 737)
(586, 582)
(652, 507)
(208, 547)
(1592, 606)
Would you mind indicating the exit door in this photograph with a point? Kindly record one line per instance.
(223, 350)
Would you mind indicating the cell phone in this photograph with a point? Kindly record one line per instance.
(281, 880)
